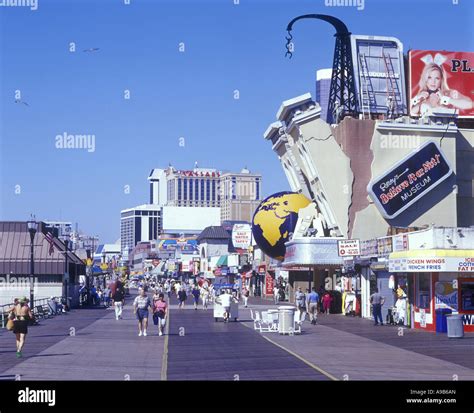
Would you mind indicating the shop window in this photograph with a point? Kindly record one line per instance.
(423, 290)
(467, 296)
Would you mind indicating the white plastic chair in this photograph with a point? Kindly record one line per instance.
(260, 322)
(297, 323)
(273, 321)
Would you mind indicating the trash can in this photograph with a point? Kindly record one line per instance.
(455, 326)
(441, 320)
(286, 319)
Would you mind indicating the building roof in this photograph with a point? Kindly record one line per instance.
(322, 74)
(213, 232)
(288, 105)
(15, 251)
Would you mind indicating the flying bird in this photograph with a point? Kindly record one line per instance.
(92, 49)
(20, 101)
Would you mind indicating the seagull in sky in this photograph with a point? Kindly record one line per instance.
(20, 101)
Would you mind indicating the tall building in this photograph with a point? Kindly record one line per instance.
(196, 188)
(141, 223)
(158, 185)
(240, 195)
(323, 85)
(237, 194)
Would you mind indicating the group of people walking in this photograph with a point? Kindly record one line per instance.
(312, 303)
(141, 306)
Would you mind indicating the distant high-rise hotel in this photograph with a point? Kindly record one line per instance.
(240, 195)
(323, 85)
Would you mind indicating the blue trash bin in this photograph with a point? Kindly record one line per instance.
(441, 320)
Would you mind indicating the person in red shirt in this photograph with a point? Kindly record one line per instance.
(326, 302)
(160, 309)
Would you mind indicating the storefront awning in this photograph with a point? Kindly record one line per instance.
(312, 252)
(222, 261)
(432, 260)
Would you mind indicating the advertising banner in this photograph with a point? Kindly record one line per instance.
(379, 74)
(441, 82)
(430, 264)
(400, 242)
(409, 180)
(348, 247)
(368, 247)
(446, 296)
(241, 236)
(268, 284)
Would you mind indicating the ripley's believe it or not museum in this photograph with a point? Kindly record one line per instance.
(382, 173)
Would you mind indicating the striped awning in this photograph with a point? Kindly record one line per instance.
(222, 261)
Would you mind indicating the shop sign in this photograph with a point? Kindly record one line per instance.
(446, 296)
(312, 251)
(409, 180)
(468, 319)
(384, 246)
(368, 248)
(430, 264)
(268, 284)
(348, 247)
(241, 236)
(400, 242)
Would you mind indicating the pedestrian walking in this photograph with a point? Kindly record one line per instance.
(313, 302)
(21, 315)
(106, 297)
(300, 300)
(168, 289)
(118, 300)
(160, 309)
(377, 301)
(196, 293)
(204, 297)
(140, 305)
(275, 294)
(326, 300)
(245, 296)
(224, 300)
(177, 288)
(182, 297)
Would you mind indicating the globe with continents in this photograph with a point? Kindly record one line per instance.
(275, 219)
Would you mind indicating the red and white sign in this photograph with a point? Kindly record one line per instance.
(348, 247)
(441, 82)
(241, 236)
(268, 284)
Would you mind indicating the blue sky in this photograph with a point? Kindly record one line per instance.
(173, 94)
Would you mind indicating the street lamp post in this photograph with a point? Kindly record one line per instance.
(32, 228)
(104, 262)
(66, 270)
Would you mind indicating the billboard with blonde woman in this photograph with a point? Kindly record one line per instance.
(441, 82)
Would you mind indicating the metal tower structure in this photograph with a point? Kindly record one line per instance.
(342, 96)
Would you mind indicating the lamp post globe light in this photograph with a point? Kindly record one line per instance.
(32, 229)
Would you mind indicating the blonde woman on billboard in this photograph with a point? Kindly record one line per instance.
(434, 93)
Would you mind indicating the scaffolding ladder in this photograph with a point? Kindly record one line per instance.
(368, 101)
(393, 90)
